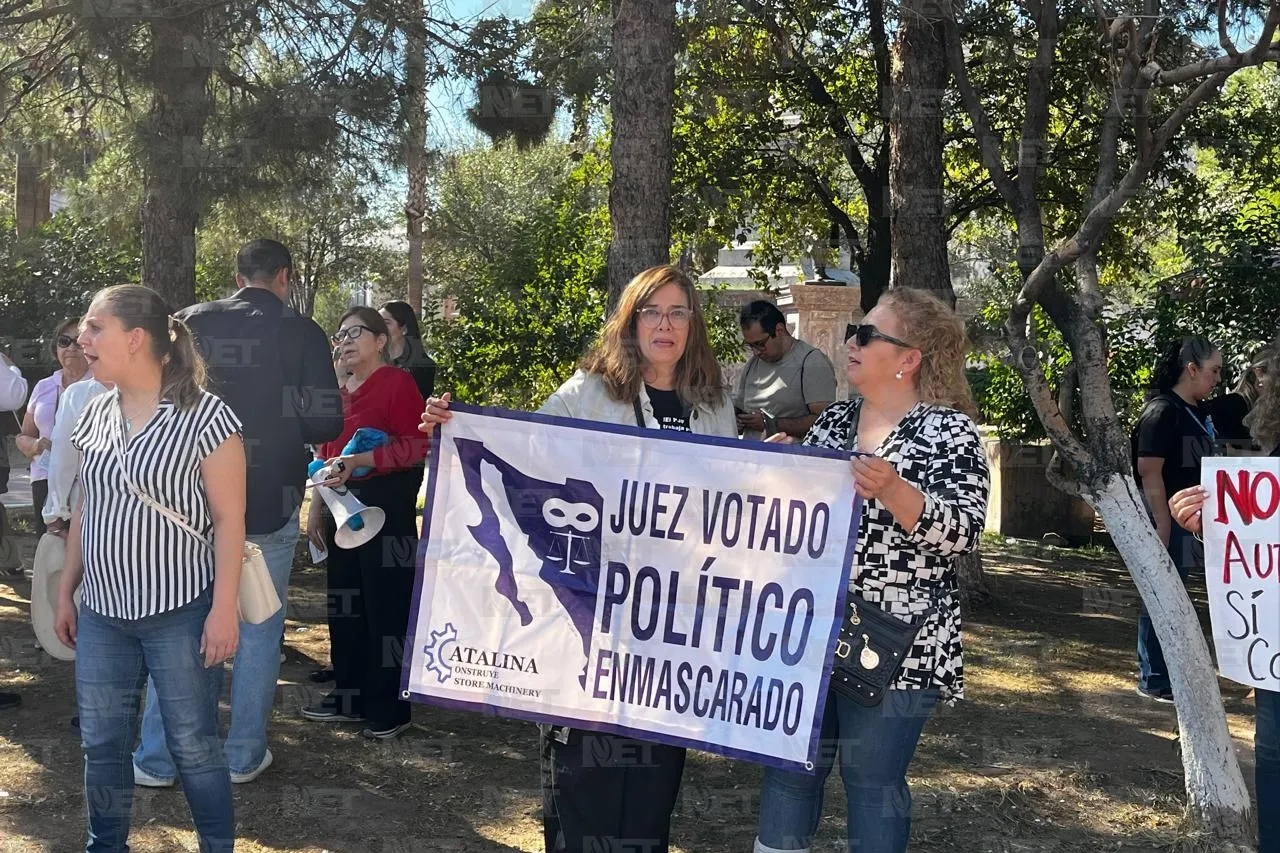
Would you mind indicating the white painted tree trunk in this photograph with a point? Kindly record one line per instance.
(1216, 795)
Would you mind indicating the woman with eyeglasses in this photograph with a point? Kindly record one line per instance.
(922, 474)
(370, 586)
(652, 364)
(36, 437)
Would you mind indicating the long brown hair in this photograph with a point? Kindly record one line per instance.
(616, 356)
(1248, 386)
(938, 332)
(183, 375)
(1264, 420)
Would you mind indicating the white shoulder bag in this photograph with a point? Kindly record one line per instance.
(258, 600)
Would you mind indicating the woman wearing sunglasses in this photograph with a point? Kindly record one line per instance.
(922, 474)
(37, 427)
(653, 364)
(375, 580)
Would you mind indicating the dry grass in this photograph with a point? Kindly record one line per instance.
(1051, 752)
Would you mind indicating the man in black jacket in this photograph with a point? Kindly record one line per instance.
(272, 366)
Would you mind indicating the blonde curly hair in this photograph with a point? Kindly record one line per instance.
(938, 332)
(1264, 420)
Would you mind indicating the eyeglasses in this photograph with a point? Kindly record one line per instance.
(350, 333)
(865, 333)
(651, 317)
(66, 341)
(758, 346)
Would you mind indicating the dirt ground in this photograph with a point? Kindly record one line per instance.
(1052, 751)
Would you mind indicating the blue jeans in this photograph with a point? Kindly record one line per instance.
(875, 748)
(1153, 672)
(1266, 768)
(255, 671)
(113, 659)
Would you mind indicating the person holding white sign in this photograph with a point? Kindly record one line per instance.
(1172, 436)
(1186, 508)
(653, 367)
(922, 472)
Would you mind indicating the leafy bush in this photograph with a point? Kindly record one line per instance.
(533, 293)
(51, 274)
(1233, 297)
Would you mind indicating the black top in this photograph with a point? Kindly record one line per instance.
(668, 409)
(1228, 412)
(1169, 428)
(274, 368)
(421, 366)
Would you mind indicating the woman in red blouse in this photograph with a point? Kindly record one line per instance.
(370, 586)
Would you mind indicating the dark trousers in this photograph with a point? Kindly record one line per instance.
(39, 494)
(1266, 770)
(1153, 672)
(607, 794)
(370, 588)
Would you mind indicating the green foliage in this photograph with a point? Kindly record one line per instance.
(520, 253)
(1233, 298)
(51, 274)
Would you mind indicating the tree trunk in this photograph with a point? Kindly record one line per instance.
(1217, 799)
(877, 260)
(172, 142)
(915, 163)
(415, 110)
(642, 104)
(919, 236)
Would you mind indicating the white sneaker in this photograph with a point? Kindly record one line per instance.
(146, 780)
(242, 778)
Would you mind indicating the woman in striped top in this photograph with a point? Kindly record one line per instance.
(156, 599)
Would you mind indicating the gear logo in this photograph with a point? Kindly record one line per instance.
(437, 660)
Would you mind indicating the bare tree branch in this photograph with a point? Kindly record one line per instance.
(38, 15)
(1263, 50)
(989, 142)
(1035, 125)
(1224, 40)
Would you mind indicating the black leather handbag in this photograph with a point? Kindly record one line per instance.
(870, 651)
(872, 645)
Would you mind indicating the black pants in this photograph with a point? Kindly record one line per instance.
(39, 493)
(370, 588)
(607, 794)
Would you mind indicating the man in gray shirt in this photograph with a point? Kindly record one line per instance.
(786, 383)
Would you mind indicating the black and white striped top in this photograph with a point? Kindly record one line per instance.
(138, 563)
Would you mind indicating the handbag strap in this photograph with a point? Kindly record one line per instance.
(117, 436)
(635, 404)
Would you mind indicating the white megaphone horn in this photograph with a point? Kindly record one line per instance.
(357, 523)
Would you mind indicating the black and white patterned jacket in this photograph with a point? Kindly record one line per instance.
(908, 572)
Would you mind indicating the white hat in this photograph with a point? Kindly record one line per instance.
(46, 577)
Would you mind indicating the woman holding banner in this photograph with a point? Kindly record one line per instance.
(922, 474)
(653, 367)
(1185, 507)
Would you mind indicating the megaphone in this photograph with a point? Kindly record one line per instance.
(357, 523)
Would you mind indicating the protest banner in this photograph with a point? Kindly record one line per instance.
(676, 588)
(1241, 529)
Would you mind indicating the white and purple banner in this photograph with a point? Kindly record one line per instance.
(670, 587)
(1240, 523)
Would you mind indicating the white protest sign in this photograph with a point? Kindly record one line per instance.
(1241, 529)
(675, 588)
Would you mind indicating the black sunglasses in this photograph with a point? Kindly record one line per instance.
(865, 333)
(65, 341)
